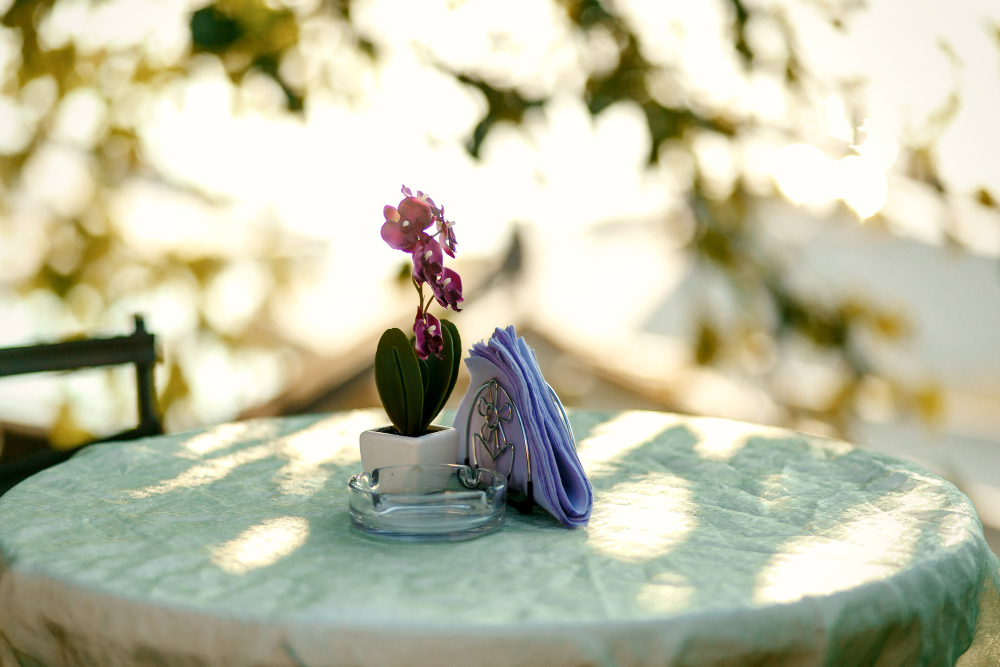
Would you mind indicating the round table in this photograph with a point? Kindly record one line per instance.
(712, 542)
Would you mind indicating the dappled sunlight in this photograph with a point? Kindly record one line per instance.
(208, 472)
(262, 544)
(665, 593)
(613, 440)
(643, 518)
(719, 439)
(331, 441)
(225, 435)
(953, 529)
(867, 549)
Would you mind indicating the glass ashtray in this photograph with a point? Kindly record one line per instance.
(433, 502)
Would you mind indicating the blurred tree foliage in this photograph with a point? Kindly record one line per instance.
(728, 238)
(86, 252)
(85, 261)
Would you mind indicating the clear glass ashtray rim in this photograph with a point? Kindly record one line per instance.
(446, 515)
(499, 479)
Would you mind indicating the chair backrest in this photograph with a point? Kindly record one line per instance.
(139, 349)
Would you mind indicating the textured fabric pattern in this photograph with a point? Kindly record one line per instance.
(711, 542)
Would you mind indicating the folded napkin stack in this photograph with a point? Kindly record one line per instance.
(558, 482)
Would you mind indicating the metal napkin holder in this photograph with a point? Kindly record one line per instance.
(497, 408)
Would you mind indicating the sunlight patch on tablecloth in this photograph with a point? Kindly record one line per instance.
(642, 519)
(225, 435)
(331, 441)
(208, 472)
(720, 439)
(870, 548)
(613, 440)
(262, 544)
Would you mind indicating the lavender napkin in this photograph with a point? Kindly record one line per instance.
(558, 481)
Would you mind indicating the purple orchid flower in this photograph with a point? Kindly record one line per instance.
(423, 196)
(448, 291)
(427, 262)
(446, 231)
(427, 330)
(404, 227)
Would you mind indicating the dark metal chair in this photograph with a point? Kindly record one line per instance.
(139, 348)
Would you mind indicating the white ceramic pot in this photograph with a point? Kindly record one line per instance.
(382, 447)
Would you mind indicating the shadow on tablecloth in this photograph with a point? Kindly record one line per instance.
(985, 649)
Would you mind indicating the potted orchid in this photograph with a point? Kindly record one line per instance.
(416, 375)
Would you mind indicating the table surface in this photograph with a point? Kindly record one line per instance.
(711, 542)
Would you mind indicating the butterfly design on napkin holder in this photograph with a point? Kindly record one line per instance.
(494, 405)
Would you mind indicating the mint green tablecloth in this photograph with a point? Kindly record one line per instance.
(712, 542)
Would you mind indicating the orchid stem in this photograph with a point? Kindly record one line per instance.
(420, 294)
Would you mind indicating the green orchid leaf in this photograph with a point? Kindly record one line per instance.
(425, 373)
(399, 382)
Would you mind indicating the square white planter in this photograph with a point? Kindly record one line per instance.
(380, 447)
